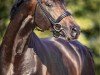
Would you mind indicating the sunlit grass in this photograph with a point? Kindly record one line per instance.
(0, 40)
(43, 34)
(75, 6)
(7, 22)
(84, 23)
(97, 60)
(83, 39)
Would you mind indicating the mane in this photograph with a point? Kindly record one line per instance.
(62, 1)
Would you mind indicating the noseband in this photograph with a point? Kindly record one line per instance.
(56, 26)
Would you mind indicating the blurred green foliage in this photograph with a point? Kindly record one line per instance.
(86, 14)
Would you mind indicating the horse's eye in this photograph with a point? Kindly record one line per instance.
(48, 4)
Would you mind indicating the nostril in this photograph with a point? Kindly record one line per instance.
(74, 29)
(74, 32)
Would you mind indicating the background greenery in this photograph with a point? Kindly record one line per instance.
(86, 14)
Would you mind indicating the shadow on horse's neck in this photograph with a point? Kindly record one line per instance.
(38, 46)
(32, 39)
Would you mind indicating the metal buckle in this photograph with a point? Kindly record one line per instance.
(57, 30)
(56, 34)
(57, 27)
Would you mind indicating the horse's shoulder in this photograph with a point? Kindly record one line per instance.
(53, 39)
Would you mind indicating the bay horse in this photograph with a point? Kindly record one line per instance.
(23, 53)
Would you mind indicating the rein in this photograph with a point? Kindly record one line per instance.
(56, 26)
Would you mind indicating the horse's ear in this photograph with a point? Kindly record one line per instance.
(62, 1)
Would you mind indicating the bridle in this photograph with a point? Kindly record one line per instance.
(56, 26)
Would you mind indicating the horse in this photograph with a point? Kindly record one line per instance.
(23, 53)
(57, 18)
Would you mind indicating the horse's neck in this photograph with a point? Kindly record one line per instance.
(14, 42)
(32, 40)
(16, 36)
(38, 46)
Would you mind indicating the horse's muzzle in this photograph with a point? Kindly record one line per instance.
(75, 32)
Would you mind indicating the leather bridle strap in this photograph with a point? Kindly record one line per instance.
(51, 19)
(65, 14)
(57, 27)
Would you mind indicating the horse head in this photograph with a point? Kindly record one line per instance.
(51, 14)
